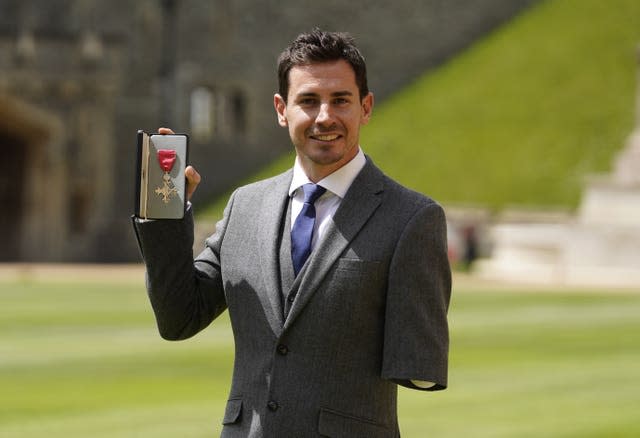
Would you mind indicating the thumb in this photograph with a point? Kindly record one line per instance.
(193, 179)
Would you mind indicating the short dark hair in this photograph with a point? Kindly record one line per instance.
(321, 46)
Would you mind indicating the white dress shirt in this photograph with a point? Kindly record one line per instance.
(337, 185)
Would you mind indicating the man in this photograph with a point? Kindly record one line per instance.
(336, 278)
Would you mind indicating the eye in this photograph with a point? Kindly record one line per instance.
(307, 101)
(341, 101)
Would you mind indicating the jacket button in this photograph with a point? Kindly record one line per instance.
(272, 405)
(282, 349)
(291, 297)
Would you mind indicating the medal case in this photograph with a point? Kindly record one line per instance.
(160, 179)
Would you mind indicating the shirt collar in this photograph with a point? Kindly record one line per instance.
(337, 182)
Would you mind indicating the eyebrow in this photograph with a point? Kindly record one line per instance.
(334, 94)
(342, 93)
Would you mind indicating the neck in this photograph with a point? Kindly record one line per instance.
(317, 172)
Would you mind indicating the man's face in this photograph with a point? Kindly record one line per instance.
(324, 113)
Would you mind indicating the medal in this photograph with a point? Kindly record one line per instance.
(166, 158)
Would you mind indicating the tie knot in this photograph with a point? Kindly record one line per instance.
(312, 192)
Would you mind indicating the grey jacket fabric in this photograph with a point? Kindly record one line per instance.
(323, 354)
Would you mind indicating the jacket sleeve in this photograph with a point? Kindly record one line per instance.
(416, 337)
(186, 294)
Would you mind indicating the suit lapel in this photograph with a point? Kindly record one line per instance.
(273, 208)
(361, 200)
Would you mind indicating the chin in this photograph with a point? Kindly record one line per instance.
(326, 159)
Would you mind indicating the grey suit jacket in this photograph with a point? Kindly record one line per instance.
(323, 357)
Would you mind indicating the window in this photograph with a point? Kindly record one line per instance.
(203, 117)
(221, 114)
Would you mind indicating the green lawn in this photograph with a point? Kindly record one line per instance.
(83, 359)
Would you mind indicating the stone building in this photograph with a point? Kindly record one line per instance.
(598, 246)
(78, 78)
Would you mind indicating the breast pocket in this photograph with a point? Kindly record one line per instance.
(359, 276)
(354, 292)
(359, 268)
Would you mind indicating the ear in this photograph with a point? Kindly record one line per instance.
(281, 109)
(367, 108)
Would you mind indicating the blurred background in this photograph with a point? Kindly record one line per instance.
(79, 78)
(522, 117)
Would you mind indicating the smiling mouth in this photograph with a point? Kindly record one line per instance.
(327, 137)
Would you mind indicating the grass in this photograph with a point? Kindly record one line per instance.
(523, 115)
(520, 118)
(83, 358)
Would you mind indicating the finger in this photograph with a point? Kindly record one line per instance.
(192, 175)
(193, 179)
(165, 131)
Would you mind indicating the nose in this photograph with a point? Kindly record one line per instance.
(324, 115)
